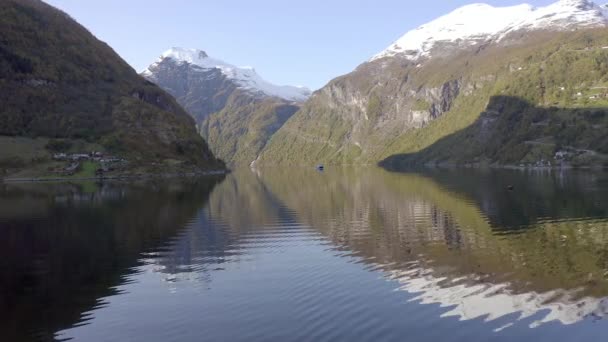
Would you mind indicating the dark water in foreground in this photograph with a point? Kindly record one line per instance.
(282, 255)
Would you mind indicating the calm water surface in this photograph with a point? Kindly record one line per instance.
(298, 255)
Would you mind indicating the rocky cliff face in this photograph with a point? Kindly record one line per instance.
(201, 92)
(437, 80)
(355, 116)
(235, 109)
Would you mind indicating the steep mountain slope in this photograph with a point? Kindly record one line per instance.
(58, 81)
(237, 111)
(538, 75)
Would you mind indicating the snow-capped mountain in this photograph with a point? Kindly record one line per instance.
(245, 77)
(235, 109)
(478, 23)
(474, 69)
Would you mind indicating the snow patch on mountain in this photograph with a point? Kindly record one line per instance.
(477, 23)
(245, 77)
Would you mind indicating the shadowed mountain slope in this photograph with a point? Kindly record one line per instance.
(58, 81)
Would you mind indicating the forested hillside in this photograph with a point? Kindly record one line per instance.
(57, 81)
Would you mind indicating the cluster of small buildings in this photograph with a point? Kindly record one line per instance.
(561, 155)
(560, 158)
(542, 163)
(93, 156)
(594, 96)
(537, 164)
(106, 162)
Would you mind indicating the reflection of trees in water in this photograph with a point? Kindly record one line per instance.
(78, 244)
(430, 233)
(434, 238)
(400, 221)
(192, 256)
(450, 238)
(239, 207)
(538, 194)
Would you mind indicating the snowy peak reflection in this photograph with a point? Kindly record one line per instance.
(458, 239)
(458, 227)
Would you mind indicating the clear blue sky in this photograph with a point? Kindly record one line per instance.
(305, 42)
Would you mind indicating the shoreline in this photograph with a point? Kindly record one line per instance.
(116, 177)
(433, 166)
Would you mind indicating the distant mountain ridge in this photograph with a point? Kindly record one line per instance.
(236, 110)
(245, 77)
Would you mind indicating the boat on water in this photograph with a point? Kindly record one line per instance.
(320, 167)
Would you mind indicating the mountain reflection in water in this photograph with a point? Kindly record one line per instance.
(66, 247)
(464, 241)
(294, 254)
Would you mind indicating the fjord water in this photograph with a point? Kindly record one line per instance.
(285, 254)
